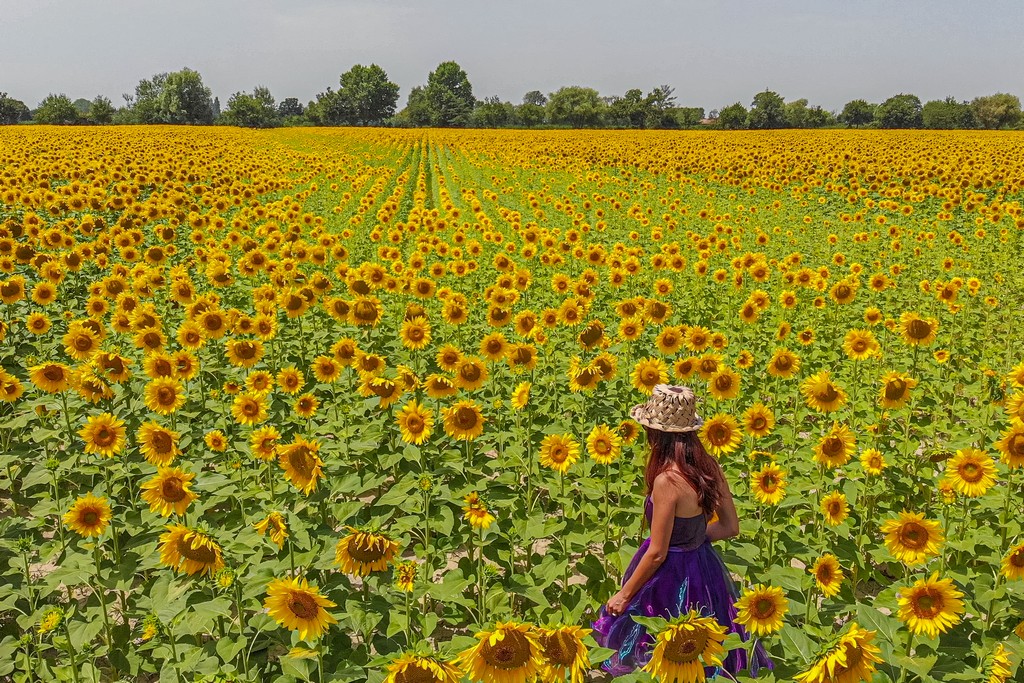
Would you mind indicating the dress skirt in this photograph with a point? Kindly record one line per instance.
(687, 579)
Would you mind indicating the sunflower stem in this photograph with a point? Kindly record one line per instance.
(910, 642)
(101, 596)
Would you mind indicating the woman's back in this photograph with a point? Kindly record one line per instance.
(687, 532)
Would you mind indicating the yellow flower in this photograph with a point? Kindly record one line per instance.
(758, 420)
(559, 452)
(918, 331)
(190, 551)
(464, 420)
(872, 461)
(931, 606)
(362, 552)
(164, 395)
(52, 378)
(414, 668)
(275, 525)
(159, 445)
(1012, 565)
(521, 395)
(562, 652)
(604, 445)
(836, 447)
(301, 463)
(249, 409)
(1011, 446)
(784, 364)
(89, 515)
(895, 391)
(724, 384)
(828, 575)
(769, 484)
(476, 512)
(416, 422)
(298, 606)
(971, 472)
(911, 538)
(415, 333)
(648, 373)
(103, 435)
(851, 660)
(822, 394)
(721, 435)
(405, 576)
(835, 508)
(168, 492)
(761, 609)
(508, 654)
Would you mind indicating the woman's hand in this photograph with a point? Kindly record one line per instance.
(617, 604)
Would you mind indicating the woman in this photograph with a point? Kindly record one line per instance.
(676, 569)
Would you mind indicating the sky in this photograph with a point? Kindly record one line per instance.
(713, 53)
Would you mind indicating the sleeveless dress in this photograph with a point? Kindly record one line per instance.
(692, 576)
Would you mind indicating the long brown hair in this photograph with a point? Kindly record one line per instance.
(685, 450)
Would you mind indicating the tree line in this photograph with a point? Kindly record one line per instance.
(365, 96)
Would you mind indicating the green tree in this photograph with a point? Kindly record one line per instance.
(628, 111)
(1001, 110)
(491, 112)
(530, 114)
(576, 106)
(12, 111)
(857, 113)
(797, 113)
(900, 111)
(289, 107)
(449, 96)
(257, 110)
(660, 103)
(768, 110)
(688, 117)
(101, 110)
(819, 118)
(179, 97)
(366, 97)
(947, 114)
(536, 98)
(57, 110)
(732, 117)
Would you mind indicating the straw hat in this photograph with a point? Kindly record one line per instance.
(670, 409)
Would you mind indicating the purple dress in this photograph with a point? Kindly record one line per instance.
(692, 576)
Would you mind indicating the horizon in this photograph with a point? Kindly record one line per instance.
(793, 48)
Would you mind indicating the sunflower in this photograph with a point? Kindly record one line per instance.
(851, 659)
(415, 333)
(464, 420)
(822, 394)
(103, 435)
(836, 447)
(216, 441)
(687, 645)
(306, 405)
(275, 526)
(918, 331)
(190, 550)
(168, 492)
(290, 380)
(510, 653)
(159, 445)
(724, 384)
(114, 367)
(648, 373)
(669, 341)
(761, 609)
(828, 575)
(604, 445)
(911, 538)
(80, 342)
(263, 442)
(448, 358)
(89, 515)
(769, 484)
(416, 422)
(1011, 446)
(931, 606)
(835, 508)
(164, 395)
(416, 668)
(971, 472)
(721, 434)
(522, 357)
(494, 346)
(521, 395)
(362, 552)
(52, 378)
(470, 374)
(562, 652)
(1014, 407)
(37, 323)
(301, 463)
(860, 344)
(1012, 565)
(244, 353)
(439, 386)
(11, 388)
(405, 576)
(582, 378)
(758, 420)
(708, 365)
(1001, 667)
(872, 461)
(249, 409)
(895, 390)
(559, 452)
(326, 369)
(476, 512)
(784, 364)
(298, 606)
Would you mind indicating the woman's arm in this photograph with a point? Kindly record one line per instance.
(728, 523)
(663, 499)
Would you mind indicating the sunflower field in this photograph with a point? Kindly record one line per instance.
(351, 404)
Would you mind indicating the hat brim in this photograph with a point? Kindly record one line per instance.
(646, 421)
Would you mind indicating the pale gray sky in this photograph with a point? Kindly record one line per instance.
(713, 52)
